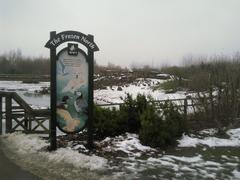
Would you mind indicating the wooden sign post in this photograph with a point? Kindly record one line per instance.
(71, 84)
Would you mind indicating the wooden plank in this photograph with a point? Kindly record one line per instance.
(40, 124)
(19, 123)
(8, 114)
(1, 115)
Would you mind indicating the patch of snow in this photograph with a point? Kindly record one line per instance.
(18, 85)
(210, 131)
(187, 159)
(186, 168)
(163, 75)
(128, 143)
(77, 159)
(131, 143)
(153, 161)
(236, 174)
(111, 95)
(33, 144)
(28, 143)
(233, 141)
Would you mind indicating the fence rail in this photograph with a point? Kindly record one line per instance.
(20, 116)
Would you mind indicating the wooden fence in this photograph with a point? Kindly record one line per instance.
(19, 116)
(185, 105)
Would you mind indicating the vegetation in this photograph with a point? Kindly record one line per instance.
(109, 122)
(157, 129)
(14, 63)
(216, 83)
(112, 122)
(160, 129)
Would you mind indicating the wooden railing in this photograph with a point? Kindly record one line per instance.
(183, 104)
(19, 116)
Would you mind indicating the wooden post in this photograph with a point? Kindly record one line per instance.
(8, 113)
(53, 123)
(90, 94)
(185, 107)
(1, 115)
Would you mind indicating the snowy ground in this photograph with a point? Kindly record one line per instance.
(199, 156)
(103, 96)
(195, 158)
(141, 86)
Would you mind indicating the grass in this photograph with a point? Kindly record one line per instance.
(168, 86)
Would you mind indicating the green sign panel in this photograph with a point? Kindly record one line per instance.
(72, 89)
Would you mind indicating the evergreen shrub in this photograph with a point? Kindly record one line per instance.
(109, 122)
(161, 129)
(133, 108)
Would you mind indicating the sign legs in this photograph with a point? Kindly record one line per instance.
(53, 122)
(90, 98)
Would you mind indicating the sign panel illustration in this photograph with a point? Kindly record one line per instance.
(72, 89)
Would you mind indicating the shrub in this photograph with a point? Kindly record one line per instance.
(161, 129)
(108, 122)
(133, 109)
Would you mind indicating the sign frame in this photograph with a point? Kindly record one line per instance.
(54, 41)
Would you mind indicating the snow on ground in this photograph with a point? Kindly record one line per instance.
(32, 144)
(161, 164)
(132, 161)
(113, 95)
(19, 86)
(127, 143)
(233, 141)
(236, 174)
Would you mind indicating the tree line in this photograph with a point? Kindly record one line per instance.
(14, 62)
(216, 82)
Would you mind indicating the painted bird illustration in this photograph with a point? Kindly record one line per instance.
(63, 103)
(81, 104)
(63, 68)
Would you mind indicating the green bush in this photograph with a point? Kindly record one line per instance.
(108, 122)
(155, 128)
(161, 129)
(133, 108)
(112, 122)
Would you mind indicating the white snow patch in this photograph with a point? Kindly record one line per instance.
(187, 159)
(233, 141)
(33, 144)
(131, 143)
(210, 131)
(128, 143)
(18, 85)
(153, 161)
(236, 173)
(77, 159)
(142, 86)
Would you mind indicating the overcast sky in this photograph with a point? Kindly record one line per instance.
(153, 32)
